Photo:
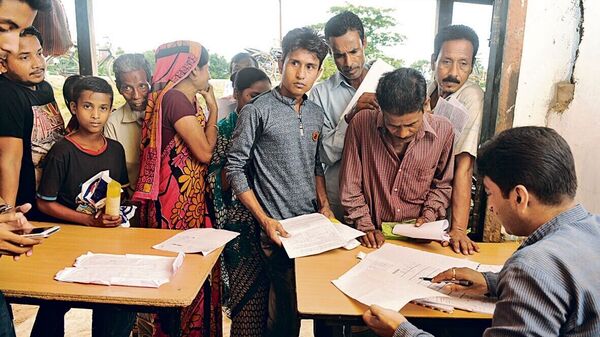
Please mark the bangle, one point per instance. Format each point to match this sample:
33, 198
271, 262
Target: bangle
215, 125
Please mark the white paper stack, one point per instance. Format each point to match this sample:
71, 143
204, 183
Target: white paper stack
391, 277
312, 234
197, 240
125, 270
436, 230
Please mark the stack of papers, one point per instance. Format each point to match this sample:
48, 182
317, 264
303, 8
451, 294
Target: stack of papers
437, 230
312, 234
390, 277
197, 240
125, 270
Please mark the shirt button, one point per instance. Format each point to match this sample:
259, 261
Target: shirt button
398, 210
395, 190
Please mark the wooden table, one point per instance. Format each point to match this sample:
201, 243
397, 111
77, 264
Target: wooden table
31, 279
318, 298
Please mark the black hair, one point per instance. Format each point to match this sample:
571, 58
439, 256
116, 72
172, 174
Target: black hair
304, 38
245, 78
32, 31
342, 23
535, 157
237, 58
401, 91
94, 84
68, 88
456, 32
39, 5
130, 62
204, 57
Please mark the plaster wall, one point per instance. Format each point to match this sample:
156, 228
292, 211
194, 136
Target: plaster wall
553, 52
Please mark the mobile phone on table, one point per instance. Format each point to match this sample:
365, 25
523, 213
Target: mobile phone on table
37, 232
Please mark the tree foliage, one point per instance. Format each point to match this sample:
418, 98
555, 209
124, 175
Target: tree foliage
219, 67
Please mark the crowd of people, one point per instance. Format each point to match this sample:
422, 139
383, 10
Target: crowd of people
284, 150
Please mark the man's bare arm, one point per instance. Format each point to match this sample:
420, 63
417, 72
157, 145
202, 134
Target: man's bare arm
11, 154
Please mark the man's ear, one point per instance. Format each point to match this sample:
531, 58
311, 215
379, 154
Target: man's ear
236, 94
521, 197
73, 107
3, 66
280, 64
427, 105
364, 43
432, 62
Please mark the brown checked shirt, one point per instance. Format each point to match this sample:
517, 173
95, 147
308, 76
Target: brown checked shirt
375, 186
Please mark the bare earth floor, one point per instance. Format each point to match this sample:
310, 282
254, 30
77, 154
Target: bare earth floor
78, 322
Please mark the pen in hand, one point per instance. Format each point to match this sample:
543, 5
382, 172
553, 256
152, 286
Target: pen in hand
465, 283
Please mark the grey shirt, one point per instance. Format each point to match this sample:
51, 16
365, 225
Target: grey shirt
275, 152
550, 285
333, 95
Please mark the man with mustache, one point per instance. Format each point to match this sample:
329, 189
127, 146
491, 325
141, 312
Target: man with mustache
452, 62
347, 42
30, 122
397, 162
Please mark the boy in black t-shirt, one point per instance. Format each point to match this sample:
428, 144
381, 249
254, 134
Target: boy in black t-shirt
71, 161
81, 155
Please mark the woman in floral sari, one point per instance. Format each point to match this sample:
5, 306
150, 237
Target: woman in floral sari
248, 284
177, 145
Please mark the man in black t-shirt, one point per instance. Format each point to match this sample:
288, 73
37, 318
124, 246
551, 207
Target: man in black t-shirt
30, 122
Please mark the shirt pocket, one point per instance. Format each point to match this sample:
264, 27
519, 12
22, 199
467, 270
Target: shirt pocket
417, 184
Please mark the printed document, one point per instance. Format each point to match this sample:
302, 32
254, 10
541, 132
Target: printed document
436, 230
197, 240
124, 270
312, 234
390, 277
456, 113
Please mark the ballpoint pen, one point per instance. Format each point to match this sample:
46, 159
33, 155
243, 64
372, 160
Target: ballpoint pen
465, 283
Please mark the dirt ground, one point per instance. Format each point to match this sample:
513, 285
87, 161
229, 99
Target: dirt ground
78, 322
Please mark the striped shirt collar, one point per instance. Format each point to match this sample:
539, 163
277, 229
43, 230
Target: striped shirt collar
569, 216
420, 134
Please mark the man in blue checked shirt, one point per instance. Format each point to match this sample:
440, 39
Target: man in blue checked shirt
549, 286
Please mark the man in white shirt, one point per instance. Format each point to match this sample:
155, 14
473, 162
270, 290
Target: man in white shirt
132, 76
452, 62
346, 38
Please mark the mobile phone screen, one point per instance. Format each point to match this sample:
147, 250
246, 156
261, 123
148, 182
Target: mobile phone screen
36, 231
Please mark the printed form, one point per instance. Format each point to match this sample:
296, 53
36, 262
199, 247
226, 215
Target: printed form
312, 234
390, 277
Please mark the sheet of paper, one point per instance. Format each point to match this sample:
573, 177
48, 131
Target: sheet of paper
197, 240
311, 234
125, 270
369, 83
378, 282
478, 304
455, 111
436, 230
400, 265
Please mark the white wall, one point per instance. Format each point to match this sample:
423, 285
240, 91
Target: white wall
550, 42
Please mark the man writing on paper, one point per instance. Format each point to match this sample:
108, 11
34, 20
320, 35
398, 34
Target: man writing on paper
547, 287
346, 37
452, 62
397, 163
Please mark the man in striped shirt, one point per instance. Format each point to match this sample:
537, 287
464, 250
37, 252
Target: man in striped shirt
549, 286
397, 163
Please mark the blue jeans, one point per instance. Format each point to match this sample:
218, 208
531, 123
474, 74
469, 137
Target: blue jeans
6, 324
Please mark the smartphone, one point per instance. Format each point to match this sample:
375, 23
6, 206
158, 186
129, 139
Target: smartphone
37, 232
